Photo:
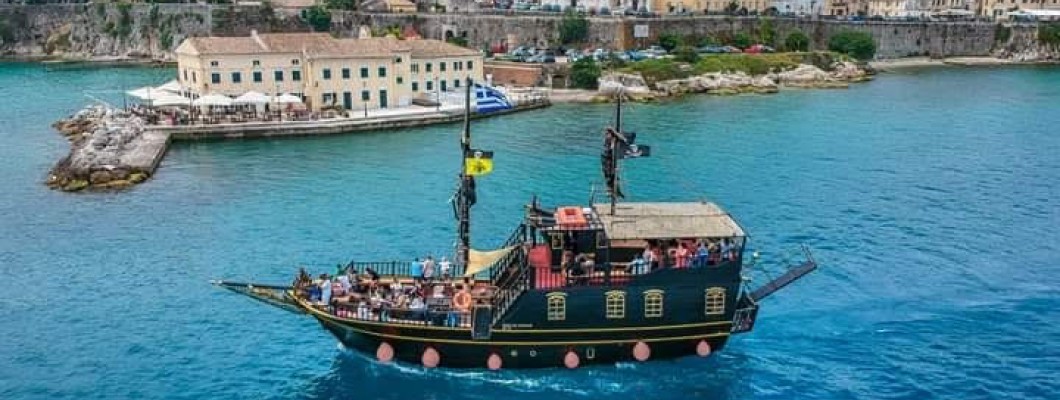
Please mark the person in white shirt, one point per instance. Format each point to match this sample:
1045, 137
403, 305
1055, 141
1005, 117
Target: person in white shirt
446, 267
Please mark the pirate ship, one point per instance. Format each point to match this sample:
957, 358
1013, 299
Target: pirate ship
601, 283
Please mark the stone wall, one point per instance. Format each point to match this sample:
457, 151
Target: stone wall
153, 31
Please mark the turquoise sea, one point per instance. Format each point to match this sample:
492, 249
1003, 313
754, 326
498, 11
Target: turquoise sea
929, 197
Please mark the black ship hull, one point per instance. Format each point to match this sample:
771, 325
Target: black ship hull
526, 348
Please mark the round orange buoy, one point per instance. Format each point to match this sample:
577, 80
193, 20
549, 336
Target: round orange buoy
430, 358
641, 351
703, 348
385, 352
571, 360
494, 362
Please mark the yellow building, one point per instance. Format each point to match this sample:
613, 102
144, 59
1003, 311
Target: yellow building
352, 74
892, 8
998, 8
720, 6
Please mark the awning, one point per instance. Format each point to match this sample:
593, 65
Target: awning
479, 261
252, 97
212, 100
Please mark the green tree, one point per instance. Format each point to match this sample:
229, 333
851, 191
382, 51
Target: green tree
669, 41
853, 43
585, 73
573, 28
767, 34
1049, 33
732, 7
686, 54
318, 17
742, 40
797, 41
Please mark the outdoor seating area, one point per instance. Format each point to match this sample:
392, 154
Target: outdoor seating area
170, 104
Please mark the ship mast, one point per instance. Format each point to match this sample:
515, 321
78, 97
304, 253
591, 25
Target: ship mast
466, 192
618, 145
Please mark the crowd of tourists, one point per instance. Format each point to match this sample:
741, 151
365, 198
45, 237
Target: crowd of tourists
427, 295
685, 254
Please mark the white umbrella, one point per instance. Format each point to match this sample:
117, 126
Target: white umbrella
252, 97
169, 99
287, 98
171, 86
212, 100
145, 92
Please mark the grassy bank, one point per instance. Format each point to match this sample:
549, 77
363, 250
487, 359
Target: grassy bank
751, 64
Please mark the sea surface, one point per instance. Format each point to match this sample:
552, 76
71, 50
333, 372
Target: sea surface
929, 197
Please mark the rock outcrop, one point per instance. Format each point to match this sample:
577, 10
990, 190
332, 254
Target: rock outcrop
109, 149
840, 75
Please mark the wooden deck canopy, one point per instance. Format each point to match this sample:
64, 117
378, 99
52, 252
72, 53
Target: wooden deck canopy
667, 221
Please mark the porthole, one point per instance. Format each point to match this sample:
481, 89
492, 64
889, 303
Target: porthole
590, 353
533, 353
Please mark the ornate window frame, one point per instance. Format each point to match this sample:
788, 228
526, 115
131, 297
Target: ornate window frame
615, 304
653, 303
556, 306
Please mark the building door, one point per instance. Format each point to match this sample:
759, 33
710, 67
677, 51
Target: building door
347, 100
382, 98
443, 86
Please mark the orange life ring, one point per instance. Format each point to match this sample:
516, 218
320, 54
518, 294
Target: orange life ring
462, 301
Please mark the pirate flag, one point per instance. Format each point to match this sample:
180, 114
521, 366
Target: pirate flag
478, 162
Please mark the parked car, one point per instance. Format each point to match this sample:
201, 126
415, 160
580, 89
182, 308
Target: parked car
712, 50
759, 48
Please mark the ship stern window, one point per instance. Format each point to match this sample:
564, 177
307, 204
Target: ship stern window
653, 303
714, 301
615, 304
557, 306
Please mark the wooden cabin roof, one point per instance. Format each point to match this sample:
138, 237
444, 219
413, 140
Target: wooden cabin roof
667, 221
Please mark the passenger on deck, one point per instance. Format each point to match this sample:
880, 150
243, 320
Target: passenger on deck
684, 256
701, 255
428, 269
446, 268
325, 289
416, 270
638, 266
588, 265
418, 308
726, 249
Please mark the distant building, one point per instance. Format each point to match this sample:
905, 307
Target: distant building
842, 8
1000, 8
392, 6
894, 8
327, 72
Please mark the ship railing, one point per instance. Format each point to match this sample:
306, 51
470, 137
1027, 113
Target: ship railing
512, 286
430, 316
398, 268
615, 274
501, 268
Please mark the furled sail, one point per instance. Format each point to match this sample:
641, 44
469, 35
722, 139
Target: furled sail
479, 261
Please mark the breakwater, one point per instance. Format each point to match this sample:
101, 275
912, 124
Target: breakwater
153, 31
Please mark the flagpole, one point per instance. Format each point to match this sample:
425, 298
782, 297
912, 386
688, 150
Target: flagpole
614, 153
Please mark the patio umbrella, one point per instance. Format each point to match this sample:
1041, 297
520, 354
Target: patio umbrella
287, 98
252, 97
171, 86
144, 93
212, 100
169, 100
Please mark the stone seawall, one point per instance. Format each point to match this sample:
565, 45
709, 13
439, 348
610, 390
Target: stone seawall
153, 31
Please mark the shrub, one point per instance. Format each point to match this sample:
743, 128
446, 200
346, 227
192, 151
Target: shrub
657, 70
753, 64
669, 41
853, 43
124, 27
797, 41
341, 4
585, 73
1002, 33
741, 40
686, 54
573, 28
459, 41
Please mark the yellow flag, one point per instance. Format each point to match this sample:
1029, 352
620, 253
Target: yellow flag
479, 163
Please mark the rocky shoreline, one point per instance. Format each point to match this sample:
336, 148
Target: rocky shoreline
109, 149
635, 87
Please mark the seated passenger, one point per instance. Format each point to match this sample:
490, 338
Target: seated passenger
418, 308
